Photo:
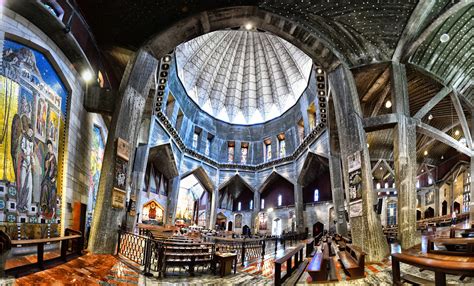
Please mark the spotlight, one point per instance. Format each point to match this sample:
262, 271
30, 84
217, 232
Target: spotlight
320, 71
248, 26
167, 59
388, 104
86, 75
430, 116
425, 153
442, 157
456, 132
270, 210
368, 145
444, 38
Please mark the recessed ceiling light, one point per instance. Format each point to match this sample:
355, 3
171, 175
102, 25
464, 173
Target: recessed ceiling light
320, 71
388, 104
444, 38
442, 157
456, 132
248, 26
430, 117
425, 153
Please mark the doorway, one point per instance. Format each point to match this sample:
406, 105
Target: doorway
418, 214
444, 208
229, 226
79, 217
276, 227
457, 207
429, 212
318, 228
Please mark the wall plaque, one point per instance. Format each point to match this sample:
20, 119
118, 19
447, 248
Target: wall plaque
120, 179
123, 149
118, 198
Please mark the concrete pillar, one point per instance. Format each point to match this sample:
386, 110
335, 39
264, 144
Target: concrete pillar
173, 194
214, 205
366, 227
129, 107
335, 171
471, 203
298, 192
404, 149
255, 211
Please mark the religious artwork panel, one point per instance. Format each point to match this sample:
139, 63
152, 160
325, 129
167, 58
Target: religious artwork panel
429, 198
262, 222
238, 221
32, 110
96, 156
152, 213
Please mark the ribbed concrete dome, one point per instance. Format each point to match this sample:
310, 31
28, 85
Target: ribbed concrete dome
243, 77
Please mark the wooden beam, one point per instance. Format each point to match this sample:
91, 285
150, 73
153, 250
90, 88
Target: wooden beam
376, 165
462, 118
433, 27
418, 18
436, 134
381, 80
380, 122
431, 141
388, 167
432, 102
380, 101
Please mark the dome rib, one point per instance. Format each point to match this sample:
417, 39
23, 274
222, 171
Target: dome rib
242, 77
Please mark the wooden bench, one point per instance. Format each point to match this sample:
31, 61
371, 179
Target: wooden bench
454, 246
464, 232
309, 246
440, 268
353, 260
318, 267
70, 236
187, 254
297, 254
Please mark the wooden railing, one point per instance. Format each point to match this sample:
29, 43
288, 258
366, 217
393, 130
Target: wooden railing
72, 242
440, 267
295, 254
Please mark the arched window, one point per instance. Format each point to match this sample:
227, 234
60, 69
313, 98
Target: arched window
239, 206
251, 205
279, 200
316, 195
262, 205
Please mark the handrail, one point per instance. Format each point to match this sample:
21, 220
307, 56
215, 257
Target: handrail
440, 267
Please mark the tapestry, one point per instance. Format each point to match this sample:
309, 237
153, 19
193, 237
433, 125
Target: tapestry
32, 112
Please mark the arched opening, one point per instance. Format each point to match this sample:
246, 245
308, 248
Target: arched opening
246, 230
318, 228
221, 221
444, 208
193, 202
418, 214
392, 213
429, 212
457, 207
276, 227
229, 226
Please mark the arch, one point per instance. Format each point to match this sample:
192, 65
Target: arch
429, 212
314, 165
318, 228
418, 214
202, 176
236, 179
246, 230
229, 226
312, 42
272, 177
444, 208
221, 221
457, 207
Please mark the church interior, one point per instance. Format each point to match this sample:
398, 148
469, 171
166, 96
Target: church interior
246, 142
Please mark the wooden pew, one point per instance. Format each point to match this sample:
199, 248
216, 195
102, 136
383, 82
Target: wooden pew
318, 267
309, 246
191, 254
353, 260
454, 246
440, 268
297, 254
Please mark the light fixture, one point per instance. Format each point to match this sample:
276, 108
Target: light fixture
444, 38
167, 59
368, 145
381, 168
248, 26
86, 75
456, 132
442, 157
430, 117
320, 71
425, 153
270, 210
388, 104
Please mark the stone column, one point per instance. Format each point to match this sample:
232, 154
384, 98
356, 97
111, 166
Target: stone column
335, 171
471, 203
366, 228
256, 210
214, 205
298, 192
404, 150
129, 107
173, 193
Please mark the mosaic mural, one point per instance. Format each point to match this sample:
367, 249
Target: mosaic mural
32, 112
97, 154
